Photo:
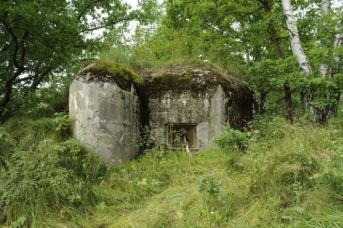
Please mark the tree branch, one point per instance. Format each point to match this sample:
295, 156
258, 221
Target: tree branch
18, 45
110, 24
39, 77
23, 79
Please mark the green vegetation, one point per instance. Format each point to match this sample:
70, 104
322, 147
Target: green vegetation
287, 175
44, 171
252, 39
195, 77
284, 170
41, 40
121, 74
276, 174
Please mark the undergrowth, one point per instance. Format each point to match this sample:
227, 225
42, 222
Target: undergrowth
44, 171
274, 175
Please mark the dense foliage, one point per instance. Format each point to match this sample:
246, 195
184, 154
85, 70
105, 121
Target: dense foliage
43, 170
251, 38
43, 39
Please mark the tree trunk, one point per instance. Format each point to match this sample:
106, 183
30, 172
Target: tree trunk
278, 55
323, 113
289, 102
326, 6
262, 101
8, 88
338, 43
295, 38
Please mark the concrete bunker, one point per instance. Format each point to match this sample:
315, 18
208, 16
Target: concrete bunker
180, 105
104, 105
188, 105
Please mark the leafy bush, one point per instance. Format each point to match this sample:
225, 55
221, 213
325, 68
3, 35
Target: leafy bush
52, 177
232, 138
269, 128
46, 171
61, 123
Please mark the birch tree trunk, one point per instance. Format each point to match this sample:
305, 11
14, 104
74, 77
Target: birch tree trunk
328, 71
338, 43
326, 8
278, 55
295, 38
322, 114
338, 38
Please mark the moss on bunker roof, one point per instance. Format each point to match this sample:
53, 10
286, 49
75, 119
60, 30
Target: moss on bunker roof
105, 70
196, 77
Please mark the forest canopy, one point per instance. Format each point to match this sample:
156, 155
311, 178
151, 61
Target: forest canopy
292, 56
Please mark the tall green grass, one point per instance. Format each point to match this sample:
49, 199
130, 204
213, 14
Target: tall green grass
274, 175
284, 175
44, 171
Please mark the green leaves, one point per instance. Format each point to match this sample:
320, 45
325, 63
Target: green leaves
324, 91
209, 185
43, 170
231, 137
40, 39
61, 123
269, 74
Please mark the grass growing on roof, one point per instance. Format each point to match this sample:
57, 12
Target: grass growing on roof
194, 76
199, 63
120, 73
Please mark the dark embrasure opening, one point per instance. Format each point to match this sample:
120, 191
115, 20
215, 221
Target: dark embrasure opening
181, 135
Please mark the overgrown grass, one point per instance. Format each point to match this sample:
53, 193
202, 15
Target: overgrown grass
44, 171
285, 175
126, 57
275, 175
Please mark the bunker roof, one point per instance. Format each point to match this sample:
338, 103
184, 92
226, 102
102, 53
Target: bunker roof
110, 71
195, 77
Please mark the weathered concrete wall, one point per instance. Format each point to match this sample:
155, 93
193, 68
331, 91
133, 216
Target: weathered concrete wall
206, 109
193, 101
106, 119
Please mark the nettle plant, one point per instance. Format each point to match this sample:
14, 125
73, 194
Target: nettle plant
209, 188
